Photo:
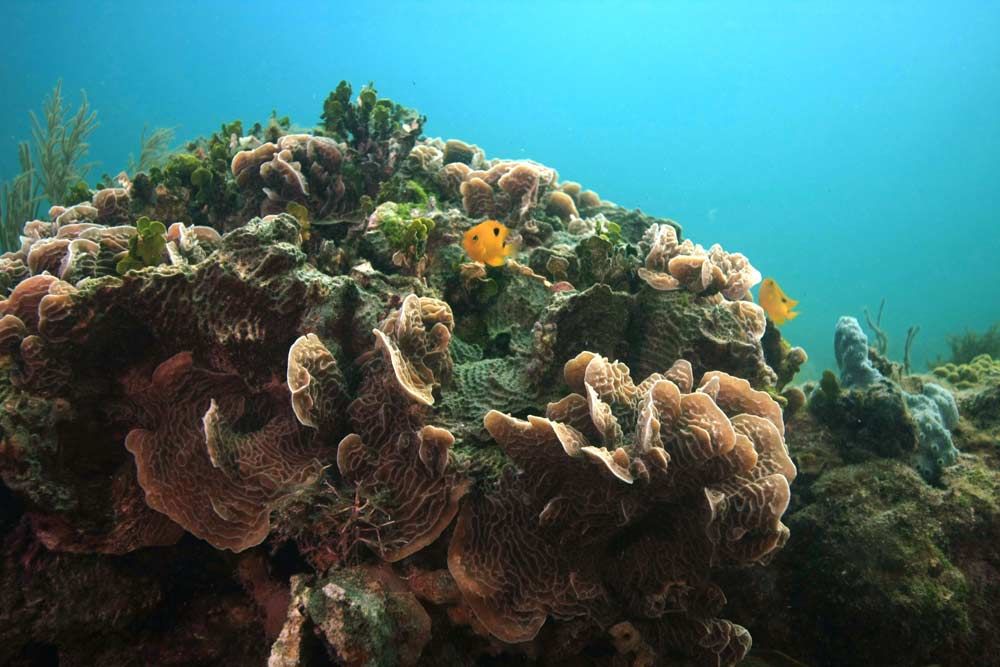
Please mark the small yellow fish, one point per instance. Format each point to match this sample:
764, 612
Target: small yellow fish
776, 303
487, 243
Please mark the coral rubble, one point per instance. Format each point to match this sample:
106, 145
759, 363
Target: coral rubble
274, 343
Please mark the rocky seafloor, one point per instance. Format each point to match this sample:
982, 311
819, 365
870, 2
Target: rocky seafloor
260, 406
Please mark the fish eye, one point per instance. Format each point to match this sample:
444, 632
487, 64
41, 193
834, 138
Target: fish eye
784, 300
496, 231
476, 237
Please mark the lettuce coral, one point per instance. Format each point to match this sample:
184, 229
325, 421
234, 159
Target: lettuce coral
671, 264
358, 404
590, 513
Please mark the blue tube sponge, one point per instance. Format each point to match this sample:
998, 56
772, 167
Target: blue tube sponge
946, 404
850, 344
934, 412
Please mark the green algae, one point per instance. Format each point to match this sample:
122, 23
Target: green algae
980, 369
883, 511
965, 348
146, 247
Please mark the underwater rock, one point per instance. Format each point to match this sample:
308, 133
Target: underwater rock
928, 563
89, 609
362, 616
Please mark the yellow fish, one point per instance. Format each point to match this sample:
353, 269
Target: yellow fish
487, 243
776, 303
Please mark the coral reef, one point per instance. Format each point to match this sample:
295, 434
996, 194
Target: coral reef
296, 419
271, 353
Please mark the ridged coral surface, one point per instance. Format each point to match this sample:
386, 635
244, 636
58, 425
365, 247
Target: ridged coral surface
414, 458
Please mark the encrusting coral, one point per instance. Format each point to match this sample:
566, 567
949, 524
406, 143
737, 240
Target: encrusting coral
339, 391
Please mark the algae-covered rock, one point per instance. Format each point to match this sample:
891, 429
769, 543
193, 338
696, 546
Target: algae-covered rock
882, 568
362, 618
875, 539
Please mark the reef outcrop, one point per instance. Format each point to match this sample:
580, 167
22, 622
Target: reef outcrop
884, 567
274, 357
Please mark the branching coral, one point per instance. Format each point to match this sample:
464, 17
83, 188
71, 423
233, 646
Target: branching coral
18, 201
153, 149
966, 347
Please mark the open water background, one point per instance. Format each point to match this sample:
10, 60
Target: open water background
850, 149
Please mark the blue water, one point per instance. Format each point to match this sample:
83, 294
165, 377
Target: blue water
851, 150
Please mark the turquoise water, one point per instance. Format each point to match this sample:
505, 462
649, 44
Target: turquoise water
851, 150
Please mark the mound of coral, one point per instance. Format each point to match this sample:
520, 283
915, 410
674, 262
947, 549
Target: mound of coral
268, 370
